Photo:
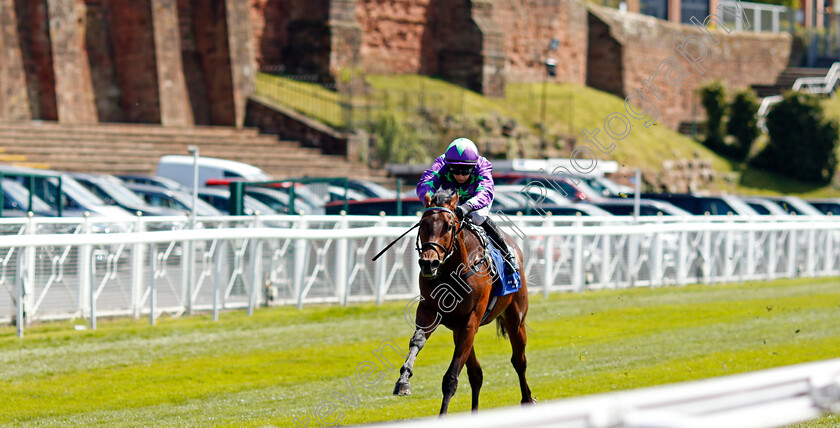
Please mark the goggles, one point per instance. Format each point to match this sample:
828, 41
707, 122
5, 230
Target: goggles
461, 169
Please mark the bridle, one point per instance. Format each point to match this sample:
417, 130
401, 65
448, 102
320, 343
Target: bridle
447, 252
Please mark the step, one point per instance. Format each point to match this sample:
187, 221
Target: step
192, 140
128, 128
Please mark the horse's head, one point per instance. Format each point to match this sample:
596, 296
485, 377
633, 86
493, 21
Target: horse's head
438, 230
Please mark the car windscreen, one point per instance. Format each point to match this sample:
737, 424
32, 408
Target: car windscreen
21, 195
119, 193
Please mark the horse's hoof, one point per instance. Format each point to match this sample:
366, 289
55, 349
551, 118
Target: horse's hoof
402, 389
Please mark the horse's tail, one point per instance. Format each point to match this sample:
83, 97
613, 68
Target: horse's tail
500, 328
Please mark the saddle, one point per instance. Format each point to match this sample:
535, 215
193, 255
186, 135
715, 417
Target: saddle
505, 281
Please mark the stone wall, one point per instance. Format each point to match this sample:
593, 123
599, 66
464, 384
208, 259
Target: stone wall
633, 47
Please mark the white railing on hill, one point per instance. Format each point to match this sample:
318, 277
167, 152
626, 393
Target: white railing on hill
763, 399
760, 17
70, 268
813, 85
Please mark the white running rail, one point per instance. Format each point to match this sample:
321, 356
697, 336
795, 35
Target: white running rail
60, 269
763, 399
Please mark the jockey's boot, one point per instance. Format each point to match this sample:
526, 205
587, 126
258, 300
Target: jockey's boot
495, 234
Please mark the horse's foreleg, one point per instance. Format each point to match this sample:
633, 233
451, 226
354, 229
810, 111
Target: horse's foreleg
476, 377
463, 345
418, 340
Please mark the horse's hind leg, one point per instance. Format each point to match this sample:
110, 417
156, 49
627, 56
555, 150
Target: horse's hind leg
476, 377
515, 327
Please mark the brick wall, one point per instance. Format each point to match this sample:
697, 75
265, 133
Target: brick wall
134, 56
528, 27
34, 34
637, 46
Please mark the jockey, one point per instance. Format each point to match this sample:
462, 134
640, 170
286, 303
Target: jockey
462, 169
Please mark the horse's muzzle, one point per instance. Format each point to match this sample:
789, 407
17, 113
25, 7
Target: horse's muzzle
429, 268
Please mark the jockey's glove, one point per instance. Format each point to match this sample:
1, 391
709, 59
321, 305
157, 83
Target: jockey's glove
462, 210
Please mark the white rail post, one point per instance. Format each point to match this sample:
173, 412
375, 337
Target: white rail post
415, 269
729, 253
137, 257
380, 270
300, 262
341, 278
707, 257
771, 255
750, 265
256, 269
152, 289
93, 293
548, 268
606, 259
217, 277
29, 279
19, 292
682, 258
84, 270
811, 259
791, 262
828, 260
577, 265
657, 274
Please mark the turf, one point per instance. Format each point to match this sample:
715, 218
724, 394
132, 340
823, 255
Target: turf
281, 364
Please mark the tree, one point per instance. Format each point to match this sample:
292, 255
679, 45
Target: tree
802, 142
743, 124
713, 98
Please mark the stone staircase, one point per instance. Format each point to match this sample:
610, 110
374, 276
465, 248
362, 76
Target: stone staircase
786, 80
130, 148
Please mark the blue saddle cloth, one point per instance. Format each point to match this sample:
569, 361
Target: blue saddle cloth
511, 281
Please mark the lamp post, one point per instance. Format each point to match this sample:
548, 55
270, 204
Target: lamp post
550, 71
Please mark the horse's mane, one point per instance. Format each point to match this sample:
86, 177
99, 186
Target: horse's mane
442, 197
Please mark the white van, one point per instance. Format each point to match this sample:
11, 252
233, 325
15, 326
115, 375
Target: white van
180, 169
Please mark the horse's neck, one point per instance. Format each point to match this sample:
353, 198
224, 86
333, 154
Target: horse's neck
465, 240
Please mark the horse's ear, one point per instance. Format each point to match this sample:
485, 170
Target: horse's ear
453, 201
428, 199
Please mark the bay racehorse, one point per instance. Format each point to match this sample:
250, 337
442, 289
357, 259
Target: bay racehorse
451, 253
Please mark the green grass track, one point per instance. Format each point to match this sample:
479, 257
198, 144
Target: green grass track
281, 363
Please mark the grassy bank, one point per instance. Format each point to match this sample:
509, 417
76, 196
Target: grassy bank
282, 363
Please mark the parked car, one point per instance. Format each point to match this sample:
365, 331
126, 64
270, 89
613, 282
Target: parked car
173, 199
113, 191
367, 188
700, 205
763, 206
575, 191
75, 198
794, 205
373, 206
153, 180
606, 187
532, 195
220, 199
181, 169
626, 206
16, 201
278, 200
314, 201
560, 210
826, 206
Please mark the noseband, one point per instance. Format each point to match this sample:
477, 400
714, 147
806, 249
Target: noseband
447, 252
